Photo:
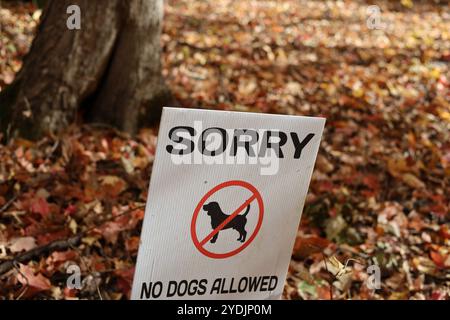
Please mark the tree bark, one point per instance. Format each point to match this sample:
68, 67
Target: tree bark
109, 71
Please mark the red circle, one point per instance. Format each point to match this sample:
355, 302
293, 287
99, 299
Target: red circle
223, 185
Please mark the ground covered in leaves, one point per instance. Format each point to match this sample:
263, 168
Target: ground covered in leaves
380, 193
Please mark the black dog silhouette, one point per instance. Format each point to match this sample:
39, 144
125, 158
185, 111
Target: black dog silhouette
217, 217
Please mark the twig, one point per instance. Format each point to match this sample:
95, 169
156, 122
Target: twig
7, 204
16, 266
354, 260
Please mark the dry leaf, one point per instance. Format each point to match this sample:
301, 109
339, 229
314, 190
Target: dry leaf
37, 281
412, 181
342, 273
22, 244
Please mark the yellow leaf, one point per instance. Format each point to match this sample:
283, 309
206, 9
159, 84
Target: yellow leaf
89, 240
435, 73
407, 3
73, 226
358, 93
444, 115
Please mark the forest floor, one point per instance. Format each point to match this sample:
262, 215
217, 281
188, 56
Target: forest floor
380, 193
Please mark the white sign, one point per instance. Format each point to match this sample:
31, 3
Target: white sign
224, 204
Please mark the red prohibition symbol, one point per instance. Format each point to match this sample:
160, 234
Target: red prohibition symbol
200, 244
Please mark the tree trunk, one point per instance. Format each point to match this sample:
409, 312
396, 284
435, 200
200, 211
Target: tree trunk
109, 71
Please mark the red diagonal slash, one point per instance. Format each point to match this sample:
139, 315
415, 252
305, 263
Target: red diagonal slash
227, 220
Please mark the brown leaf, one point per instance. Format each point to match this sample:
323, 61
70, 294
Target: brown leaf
412, 181
114, 185
132, 244
63, 256
306, 246
323, 164
396, 166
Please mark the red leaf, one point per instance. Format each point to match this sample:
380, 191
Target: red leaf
371, 181
326, 186
444, 232
40, 206
70, 293
438, 295
438, 259
52, 236
125, 280
70, 210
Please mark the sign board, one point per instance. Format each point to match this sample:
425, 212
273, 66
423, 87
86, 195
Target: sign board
224, 204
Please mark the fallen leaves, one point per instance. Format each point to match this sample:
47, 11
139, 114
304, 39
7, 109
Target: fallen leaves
62, 256
379, 192
32, 281
439, 260
100, 199
17, 27
113, 185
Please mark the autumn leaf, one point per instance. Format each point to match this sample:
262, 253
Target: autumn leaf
125, 280
323, 164
438, 259
132, 244
407, 3
305, 246
63, 256
39, 205
22, 244
380, 181
36, 281
412, 181
113, 184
